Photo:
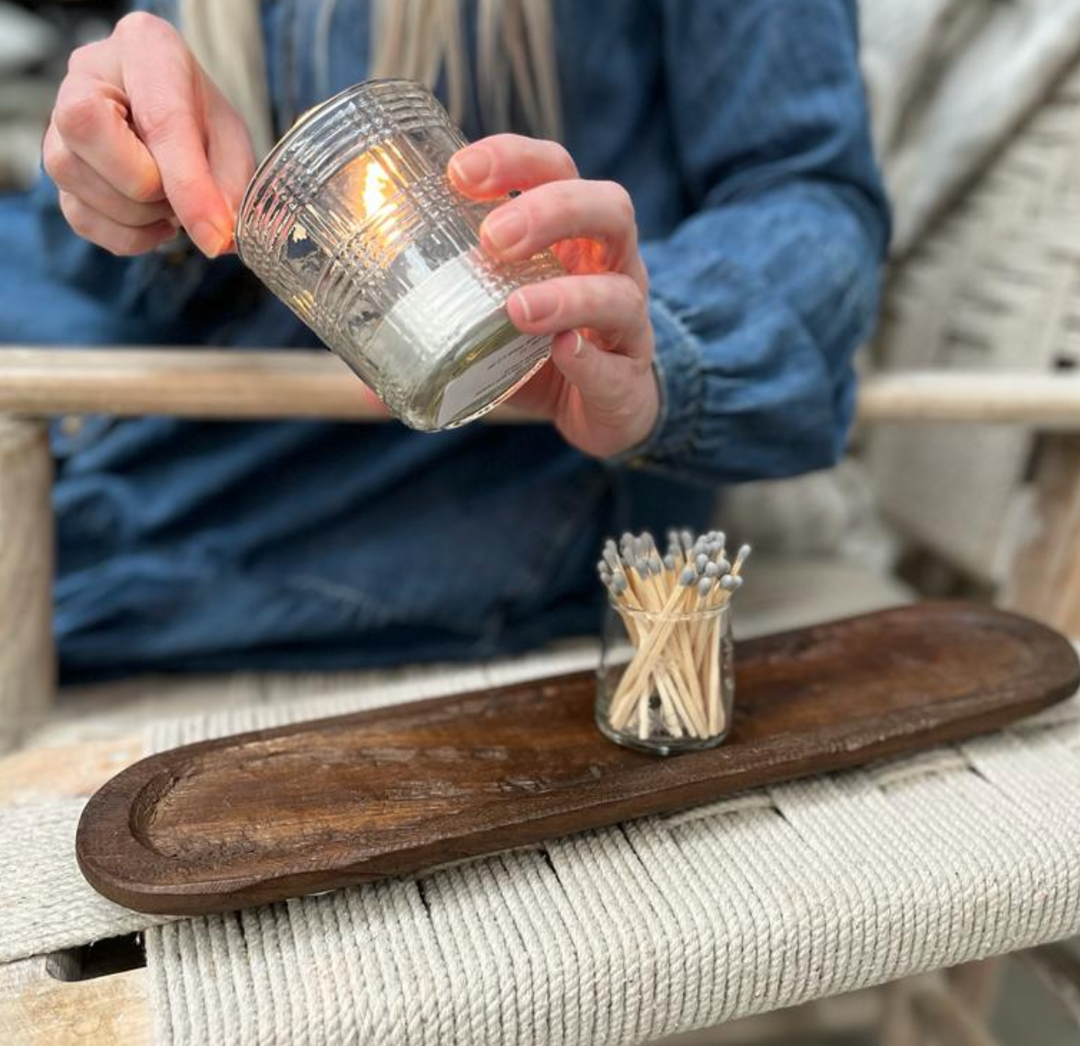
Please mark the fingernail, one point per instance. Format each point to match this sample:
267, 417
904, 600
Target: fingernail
538, 303
209, 239
504, 229
471, 165
579, 346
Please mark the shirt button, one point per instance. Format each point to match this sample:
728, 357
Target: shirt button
72, 425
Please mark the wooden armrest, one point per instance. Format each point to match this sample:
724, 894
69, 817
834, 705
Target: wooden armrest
1047, 401
229, 383
206, 383
226, 384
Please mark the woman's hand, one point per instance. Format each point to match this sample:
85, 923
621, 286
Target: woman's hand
142, 142
599, 387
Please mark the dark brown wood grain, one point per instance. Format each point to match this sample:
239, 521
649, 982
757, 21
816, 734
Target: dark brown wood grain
276, 813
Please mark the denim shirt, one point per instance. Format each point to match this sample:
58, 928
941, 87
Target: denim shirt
739, 128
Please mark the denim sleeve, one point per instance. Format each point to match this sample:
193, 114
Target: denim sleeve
761, 296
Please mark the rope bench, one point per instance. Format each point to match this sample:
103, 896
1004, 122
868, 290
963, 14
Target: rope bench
766, 900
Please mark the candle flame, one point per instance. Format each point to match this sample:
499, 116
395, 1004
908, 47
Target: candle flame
378, 188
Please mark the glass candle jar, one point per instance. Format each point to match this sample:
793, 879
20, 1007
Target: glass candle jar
666, 682
352, 222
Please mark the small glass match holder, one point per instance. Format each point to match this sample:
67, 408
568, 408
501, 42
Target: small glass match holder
666, 682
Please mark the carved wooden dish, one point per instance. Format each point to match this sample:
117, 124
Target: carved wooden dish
262, 816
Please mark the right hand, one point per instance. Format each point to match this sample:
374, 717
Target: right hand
141, 142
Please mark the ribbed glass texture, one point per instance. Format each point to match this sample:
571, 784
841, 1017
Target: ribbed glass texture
353, 223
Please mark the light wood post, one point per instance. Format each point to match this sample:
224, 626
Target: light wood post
37, 1009
898, 1026
27, 652
1044, 579
977, 984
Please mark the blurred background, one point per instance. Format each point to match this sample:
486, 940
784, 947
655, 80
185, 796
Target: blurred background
976, 107
35, 40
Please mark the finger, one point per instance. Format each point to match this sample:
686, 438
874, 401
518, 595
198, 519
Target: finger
91, 118
605, 380
119, 239
600, 211
231, 156
160, 76
611, 303
503, 163
77, 177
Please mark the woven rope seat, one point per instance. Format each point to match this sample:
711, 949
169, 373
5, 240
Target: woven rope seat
771, 898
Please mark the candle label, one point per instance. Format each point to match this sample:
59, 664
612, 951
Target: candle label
488, 378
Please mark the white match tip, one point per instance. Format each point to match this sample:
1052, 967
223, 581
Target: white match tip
704, 587
688, 576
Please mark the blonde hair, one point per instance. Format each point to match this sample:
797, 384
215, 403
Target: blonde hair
417, 39
515, 56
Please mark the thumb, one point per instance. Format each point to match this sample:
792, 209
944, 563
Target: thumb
603, 379
165, 89
232, 161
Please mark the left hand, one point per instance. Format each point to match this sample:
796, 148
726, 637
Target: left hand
599, 387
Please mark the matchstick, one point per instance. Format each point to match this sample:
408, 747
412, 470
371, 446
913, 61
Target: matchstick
621, 577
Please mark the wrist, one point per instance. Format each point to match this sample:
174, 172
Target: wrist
645, 415
677, 376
